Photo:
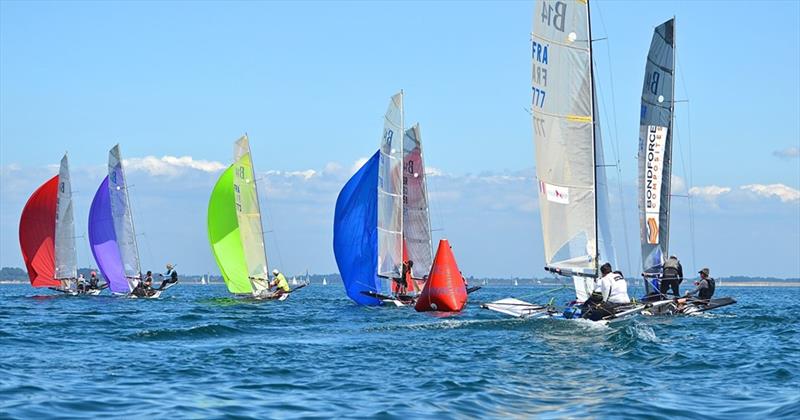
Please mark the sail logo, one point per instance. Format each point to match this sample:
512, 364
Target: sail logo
652, 80
652, 231
554, 15
654, 139
387, 136
554, 193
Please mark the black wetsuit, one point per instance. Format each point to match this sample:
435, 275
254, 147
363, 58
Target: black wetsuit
671, 277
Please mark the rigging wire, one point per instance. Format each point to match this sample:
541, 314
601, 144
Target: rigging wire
687, 166
615, 141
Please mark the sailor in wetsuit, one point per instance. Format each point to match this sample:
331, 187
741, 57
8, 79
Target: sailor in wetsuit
171, 276
671, 276
280, 283
705, 287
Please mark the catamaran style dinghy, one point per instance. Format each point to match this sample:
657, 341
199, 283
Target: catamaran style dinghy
573, 196
655, 172
235, 230
47, 236
382, 218
112, 235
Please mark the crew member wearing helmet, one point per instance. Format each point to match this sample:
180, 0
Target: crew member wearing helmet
171, 276
279, 281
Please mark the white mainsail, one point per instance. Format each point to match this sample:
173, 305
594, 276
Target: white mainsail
123, 218
569, 155
655, 148
390, 194
66, 259
248, 213
416, 216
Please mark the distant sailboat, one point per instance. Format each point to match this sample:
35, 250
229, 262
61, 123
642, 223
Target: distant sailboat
294, 281
371, 239
47, 235
235, 231
324, 281
516, 282
573, 197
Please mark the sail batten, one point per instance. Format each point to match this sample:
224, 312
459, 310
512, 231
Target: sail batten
655, 149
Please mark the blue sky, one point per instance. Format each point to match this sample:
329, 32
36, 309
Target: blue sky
309, 82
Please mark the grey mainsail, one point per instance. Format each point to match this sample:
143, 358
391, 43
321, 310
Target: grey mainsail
416, 215
655, 149
122, 215
569, 155
66, 259
248, 215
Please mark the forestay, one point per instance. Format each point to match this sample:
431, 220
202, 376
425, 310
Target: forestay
66, 259
416, 217
248, 212
390, 194
123, 218
655, 148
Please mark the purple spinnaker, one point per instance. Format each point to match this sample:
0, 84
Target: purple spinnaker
103, 240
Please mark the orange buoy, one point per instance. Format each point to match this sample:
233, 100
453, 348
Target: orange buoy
445, 290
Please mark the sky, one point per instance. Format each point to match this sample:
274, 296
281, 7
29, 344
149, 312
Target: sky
176, 83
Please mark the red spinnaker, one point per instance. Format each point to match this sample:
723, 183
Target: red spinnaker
37, 232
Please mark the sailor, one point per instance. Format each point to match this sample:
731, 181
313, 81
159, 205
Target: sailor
93, 280
148, 280
171, 276
139, 290
80, 283
279, 282
705, 287
405, 275
671, 276
610, 291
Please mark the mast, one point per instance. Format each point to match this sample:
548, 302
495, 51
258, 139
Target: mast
671, 136
402, 192
594, 143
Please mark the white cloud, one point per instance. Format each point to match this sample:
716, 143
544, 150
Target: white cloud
783, 192
171, 165
678, 184
709, 192
787, 153
431, 171
358, 164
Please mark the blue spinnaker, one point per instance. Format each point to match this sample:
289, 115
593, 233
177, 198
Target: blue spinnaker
355, 233
103, 240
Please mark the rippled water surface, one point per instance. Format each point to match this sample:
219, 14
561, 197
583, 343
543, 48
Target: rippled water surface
199, 353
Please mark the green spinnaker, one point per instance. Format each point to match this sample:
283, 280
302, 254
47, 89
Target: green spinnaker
223, 234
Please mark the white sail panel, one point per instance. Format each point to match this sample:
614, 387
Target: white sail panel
563, 134
66, 259
248, 211
390, 192
123, 217
655, 147
416, 216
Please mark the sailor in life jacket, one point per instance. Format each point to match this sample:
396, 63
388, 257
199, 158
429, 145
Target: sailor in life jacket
612, 286
705, 287
171, 276
279, 281
671, 276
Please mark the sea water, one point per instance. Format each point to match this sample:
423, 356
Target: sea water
198, 352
